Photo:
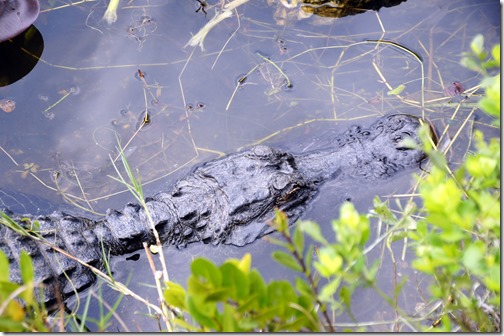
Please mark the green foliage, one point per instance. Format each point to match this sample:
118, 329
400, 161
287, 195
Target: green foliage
478, 60
234, 298
19, 309
342, 264
458, 242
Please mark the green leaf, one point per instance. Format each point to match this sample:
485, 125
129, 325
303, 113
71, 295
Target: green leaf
329, 262
4, 267
287, 260
8, 325
11, 224
397, 235
349, 216
473, 258
217, 295
27, 275
303, 287
203, 313
278, 242
452, 235
196, 287
6, 288
244, 263
438, 159
204, 269
228, 319
346, 296
294, 325
480, 166
308, 259
281, 222
248, 324
280, 296
313, 230
477, 45
496, 53
299, 240
397, 90
175, 295
328, 291
235, 281
182, 323
258, 287
248, 305
370, 273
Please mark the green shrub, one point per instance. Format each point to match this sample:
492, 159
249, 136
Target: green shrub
456, 241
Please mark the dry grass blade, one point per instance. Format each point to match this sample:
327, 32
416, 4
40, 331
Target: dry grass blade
199, 37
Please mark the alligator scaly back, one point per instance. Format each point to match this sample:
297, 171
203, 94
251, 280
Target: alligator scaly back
225, 201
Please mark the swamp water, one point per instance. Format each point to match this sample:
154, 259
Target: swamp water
95, 83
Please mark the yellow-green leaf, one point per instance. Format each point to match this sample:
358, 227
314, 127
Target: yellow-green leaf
400, 88
27, 275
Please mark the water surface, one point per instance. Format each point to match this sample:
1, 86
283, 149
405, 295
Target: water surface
95, 82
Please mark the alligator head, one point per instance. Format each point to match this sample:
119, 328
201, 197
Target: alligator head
378, 151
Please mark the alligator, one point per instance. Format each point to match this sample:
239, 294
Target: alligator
230, 200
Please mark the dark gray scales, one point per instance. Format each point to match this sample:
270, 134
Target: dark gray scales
226, 201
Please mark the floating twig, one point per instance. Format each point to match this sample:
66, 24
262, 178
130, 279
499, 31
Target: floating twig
200, 36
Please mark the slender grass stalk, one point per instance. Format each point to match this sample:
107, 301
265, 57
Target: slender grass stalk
135, 187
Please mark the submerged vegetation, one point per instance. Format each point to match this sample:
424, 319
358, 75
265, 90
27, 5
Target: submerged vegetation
453, 228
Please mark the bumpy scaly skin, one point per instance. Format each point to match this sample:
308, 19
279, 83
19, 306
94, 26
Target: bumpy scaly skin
228, 200
342, 8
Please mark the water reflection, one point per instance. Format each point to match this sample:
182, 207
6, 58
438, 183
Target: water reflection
19, 55
203, 104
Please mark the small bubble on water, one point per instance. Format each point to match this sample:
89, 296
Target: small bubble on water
145, 19
75, 90
49, 115
189, 107
288, 86
200, 106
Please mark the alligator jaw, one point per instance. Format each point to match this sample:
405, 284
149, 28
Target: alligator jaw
375, 152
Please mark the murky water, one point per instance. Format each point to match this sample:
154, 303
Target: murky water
263, 77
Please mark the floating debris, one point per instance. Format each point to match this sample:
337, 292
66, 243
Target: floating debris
198, 107
7, 105
110, 14
454, 89
144, 120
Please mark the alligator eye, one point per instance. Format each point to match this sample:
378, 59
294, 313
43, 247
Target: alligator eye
406, 143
